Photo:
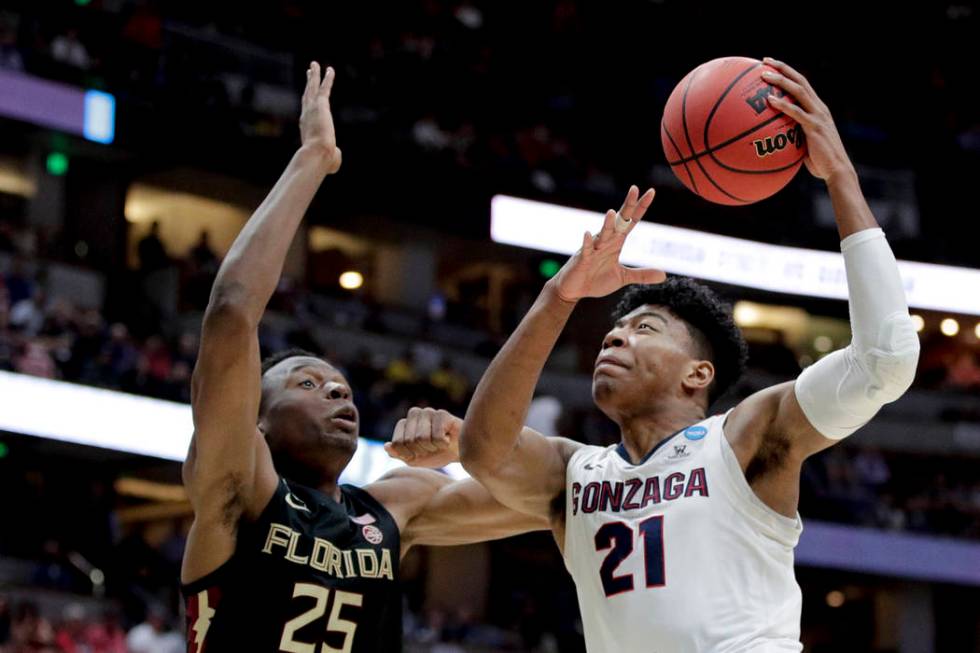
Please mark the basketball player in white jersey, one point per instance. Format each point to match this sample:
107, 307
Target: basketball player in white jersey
680, 538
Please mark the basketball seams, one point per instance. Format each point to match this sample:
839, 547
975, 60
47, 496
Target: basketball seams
694, 184
710, 151
690, 145
730, 141
721, 98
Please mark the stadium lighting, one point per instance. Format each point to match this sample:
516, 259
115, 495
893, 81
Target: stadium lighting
351, 280
735, 261
549, 268
134, 424
823, 344
919, 322
949, 327
835, 599
747, 314
57, 164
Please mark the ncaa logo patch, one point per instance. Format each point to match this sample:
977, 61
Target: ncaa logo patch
372, 534
695, 432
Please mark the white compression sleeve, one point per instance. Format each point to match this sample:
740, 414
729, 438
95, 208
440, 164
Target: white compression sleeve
841, 392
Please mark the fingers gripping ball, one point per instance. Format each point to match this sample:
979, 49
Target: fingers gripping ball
723, 140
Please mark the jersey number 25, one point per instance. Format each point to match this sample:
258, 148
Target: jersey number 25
334, 625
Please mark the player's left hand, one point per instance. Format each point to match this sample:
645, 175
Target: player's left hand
826, 155
316, 126
426, 437
595, 270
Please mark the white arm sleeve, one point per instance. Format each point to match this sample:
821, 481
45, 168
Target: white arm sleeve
841, 392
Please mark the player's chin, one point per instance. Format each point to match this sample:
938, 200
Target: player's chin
345, 440
603, 388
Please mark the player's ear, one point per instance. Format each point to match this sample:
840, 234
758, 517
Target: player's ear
699, 375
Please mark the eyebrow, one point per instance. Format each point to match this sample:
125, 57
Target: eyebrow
620, 322
302, 366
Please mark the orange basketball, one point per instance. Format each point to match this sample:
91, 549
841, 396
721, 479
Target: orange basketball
721, 137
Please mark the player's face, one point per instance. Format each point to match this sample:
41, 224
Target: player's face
309, 409
643, 359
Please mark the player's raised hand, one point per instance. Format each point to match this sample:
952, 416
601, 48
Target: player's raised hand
315, 121
595, 270
825, 150
426, 437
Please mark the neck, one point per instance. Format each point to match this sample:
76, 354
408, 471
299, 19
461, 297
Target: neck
331, 488
323, 478
641, 433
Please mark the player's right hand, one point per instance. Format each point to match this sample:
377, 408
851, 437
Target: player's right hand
595, 270
426, 437
315, 121
825, 155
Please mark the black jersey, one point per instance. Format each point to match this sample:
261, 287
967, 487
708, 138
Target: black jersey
311, 575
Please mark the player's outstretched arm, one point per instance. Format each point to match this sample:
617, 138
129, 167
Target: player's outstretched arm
521, 468
843, 391
430, 507
229, 471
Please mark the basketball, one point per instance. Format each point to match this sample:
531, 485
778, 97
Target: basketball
723, 140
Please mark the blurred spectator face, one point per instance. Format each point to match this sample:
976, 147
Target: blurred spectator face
74, 619
118, 332
187, 346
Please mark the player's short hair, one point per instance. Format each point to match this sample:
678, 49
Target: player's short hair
709, 321
272, 360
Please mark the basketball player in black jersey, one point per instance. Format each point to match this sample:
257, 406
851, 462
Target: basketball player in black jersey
280, 556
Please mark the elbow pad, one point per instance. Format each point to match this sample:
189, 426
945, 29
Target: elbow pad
841, 392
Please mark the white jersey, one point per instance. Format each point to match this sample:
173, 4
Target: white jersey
677, 553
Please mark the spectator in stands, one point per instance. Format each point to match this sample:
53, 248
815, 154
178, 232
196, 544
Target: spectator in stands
19, 282
543, 415
27, 315
450, 382
872, 470
10, 56
30, 632
152, 254
401, 370
36, 360
154, 635
4, 622
70, 636
69, 50
155, 366
6, 227
106, 635
7, 346
118, 357
202, 255
963, 372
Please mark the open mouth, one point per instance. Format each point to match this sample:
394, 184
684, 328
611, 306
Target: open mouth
345, 419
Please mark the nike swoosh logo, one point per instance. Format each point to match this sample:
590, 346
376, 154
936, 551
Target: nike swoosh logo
296, 503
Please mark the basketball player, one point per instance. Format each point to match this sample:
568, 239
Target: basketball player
680, 538
280, 557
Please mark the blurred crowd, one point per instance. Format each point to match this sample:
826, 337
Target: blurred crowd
25, 628
424, 87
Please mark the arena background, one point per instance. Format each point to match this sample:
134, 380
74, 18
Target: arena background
137, 136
